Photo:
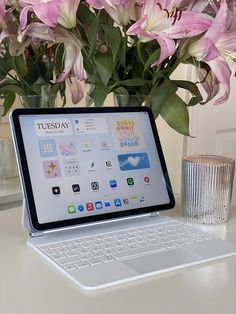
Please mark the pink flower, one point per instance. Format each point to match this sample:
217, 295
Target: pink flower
162, 21
216, 46
95, 4
2, 13
73, 59
47, 11
67, 15
76, 88
119, 10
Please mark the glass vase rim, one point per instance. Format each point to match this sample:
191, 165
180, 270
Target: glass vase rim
209, 159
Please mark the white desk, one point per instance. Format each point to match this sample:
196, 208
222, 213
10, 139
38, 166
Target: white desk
29, 285
10, 193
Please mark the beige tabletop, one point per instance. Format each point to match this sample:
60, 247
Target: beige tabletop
29, 285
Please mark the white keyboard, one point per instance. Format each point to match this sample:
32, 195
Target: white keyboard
103, 248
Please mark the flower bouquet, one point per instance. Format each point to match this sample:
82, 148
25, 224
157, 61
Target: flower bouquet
126, 47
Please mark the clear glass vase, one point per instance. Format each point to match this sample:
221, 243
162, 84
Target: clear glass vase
38, 101
126, 100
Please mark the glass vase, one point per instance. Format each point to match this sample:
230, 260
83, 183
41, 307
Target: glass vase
38, 101
127, 100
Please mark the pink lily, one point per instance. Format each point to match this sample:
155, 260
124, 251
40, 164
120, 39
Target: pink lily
67, 15
162, 21
47, 11
73, 59
216, 46
2, 12
76, 88
119, 10
96, 4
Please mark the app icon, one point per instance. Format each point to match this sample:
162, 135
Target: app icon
89, 206
81, 208
146, 179
71, 167
108, 164
141, 199
95, 186
113, 183
75, 188
47, 148
67, 148
126, 201
51, 169
104, 145
86, 146
98, 205
117, 202
71, 209
107, 204
130, 181
91, 165
56, 190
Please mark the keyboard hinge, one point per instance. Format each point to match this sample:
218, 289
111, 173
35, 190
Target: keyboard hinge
154, 214
36, 234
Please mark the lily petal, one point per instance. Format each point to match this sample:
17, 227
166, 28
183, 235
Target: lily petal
67, 16
48, 12
76, 88
222, 72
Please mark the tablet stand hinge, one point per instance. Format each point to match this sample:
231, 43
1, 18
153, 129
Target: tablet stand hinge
36, 234
154, 214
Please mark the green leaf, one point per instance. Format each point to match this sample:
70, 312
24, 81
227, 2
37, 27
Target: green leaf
5, 67
100, 93
85, 14
132, 82
92, 35
10, 85
20, 66
162, 92
114, 39
175, 113
9, 99
105, 66
193, 89
122, 52
153, 57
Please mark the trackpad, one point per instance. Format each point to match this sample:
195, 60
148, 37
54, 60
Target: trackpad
162, 260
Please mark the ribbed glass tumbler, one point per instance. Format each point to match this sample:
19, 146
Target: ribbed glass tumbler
207, 182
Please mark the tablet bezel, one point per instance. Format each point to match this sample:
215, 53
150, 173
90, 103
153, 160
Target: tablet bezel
25, 175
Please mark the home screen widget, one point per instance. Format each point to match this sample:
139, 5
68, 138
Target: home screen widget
117, 202
95, 186
108, 164
130, 181
67, 148
89, 206
56, 190
98, 205
133, 161
113, 184
47, 148
91, 165
146, 180
71, 167
76, 188
51, 168
71, 209
80, 208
